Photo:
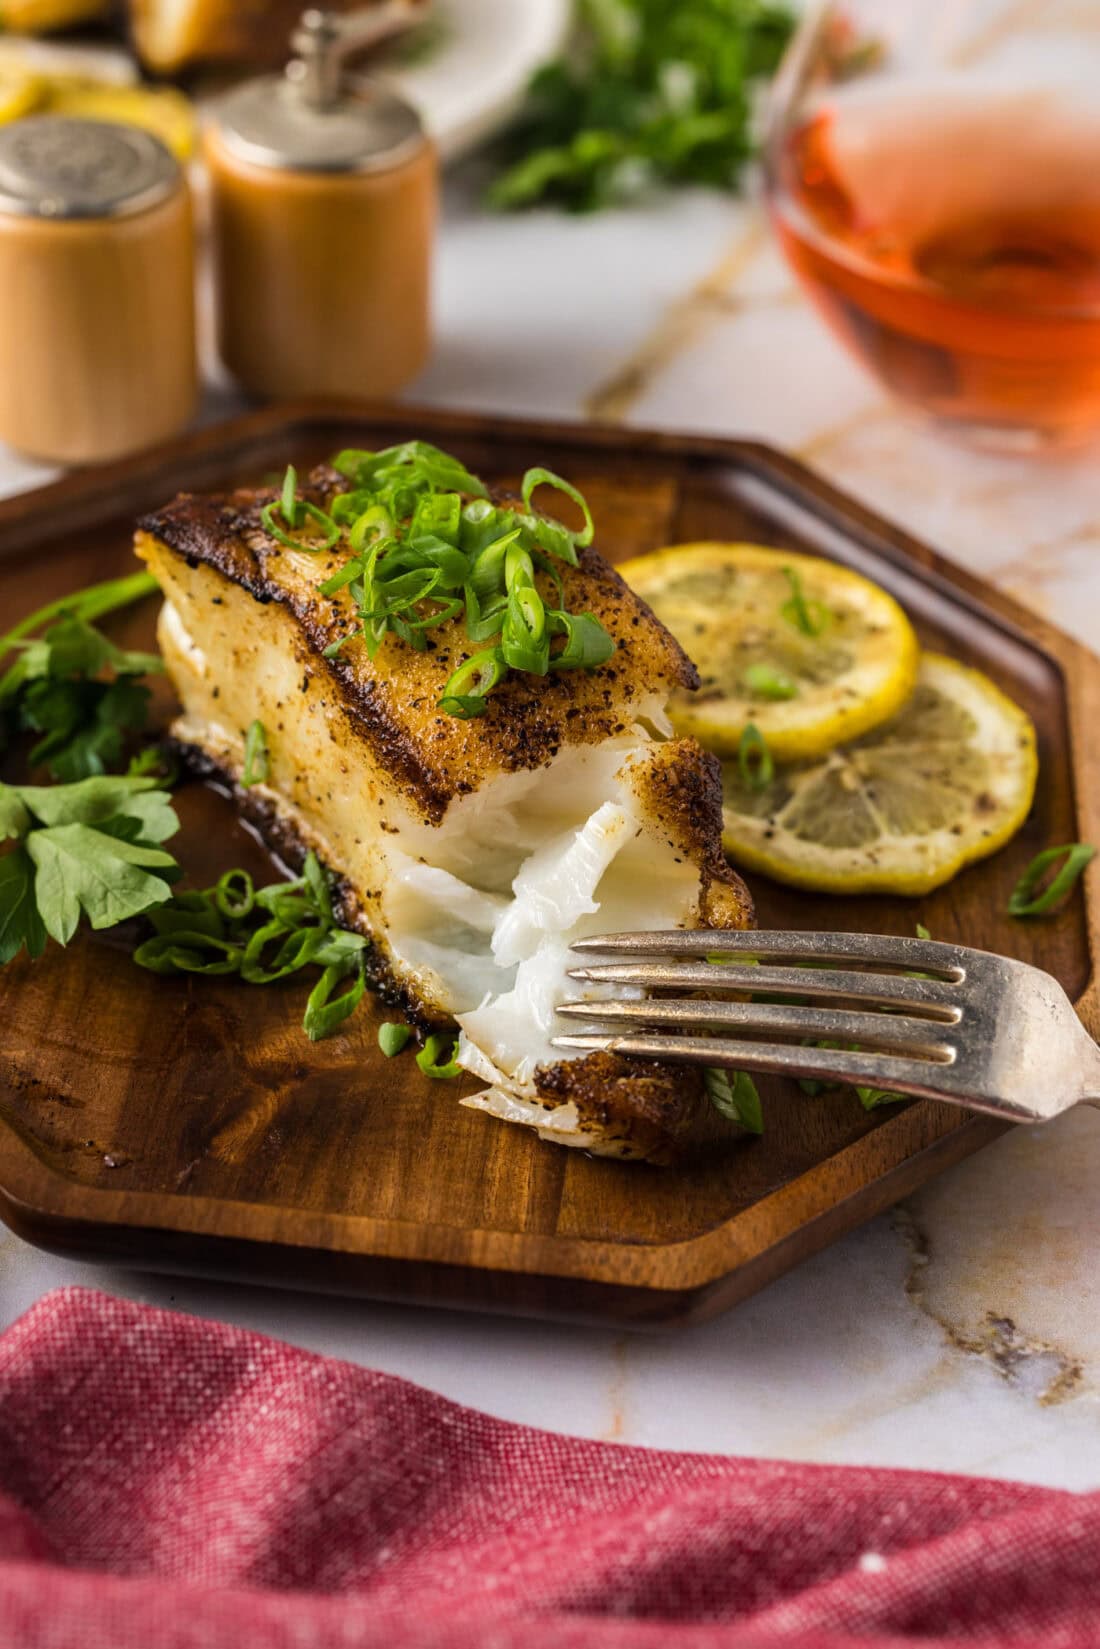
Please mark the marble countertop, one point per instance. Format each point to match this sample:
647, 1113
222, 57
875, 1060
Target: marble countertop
962, 1331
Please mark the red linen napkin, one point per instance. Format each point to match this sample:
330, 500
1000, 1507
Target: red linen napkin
168, 1483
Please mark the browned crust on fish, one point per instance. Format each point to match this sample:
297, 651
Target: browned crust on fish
392, 701
644, 1109
654, 1112
682, 786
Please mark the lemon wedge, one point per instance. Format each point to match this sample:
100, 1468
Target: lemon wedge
161, 110
809, 652
20, 92
902, 809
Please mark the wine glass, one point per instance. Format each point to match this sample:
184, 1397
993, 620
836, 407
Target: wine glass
933, 174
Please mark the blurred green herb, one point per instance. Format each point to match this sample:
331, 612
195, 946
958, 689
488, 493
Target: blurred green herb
754, 760
765, 682
806, 614
654, 93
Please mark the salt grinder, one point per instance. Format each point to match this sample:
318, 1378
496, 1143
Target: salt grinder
323, 196
97, 342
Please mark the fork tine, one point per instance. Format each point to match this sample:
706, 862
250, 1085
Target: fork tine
928, 955
924, 1036
934, 996
912, 1076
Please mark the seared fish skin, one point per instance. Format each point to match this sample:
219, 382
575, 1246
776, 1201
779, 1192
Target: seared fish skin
471, 851
432, 756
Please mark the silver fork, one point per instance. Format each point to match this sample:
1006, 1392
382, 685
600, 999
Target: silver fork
961, 1025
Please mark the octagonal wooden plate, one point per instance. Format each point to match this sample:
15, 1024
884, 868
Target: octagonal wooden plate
188, 1125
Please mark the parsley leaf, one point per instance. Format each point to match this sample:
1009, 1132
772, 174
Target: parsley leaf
20, 923
90, 848
80, 868
79, 691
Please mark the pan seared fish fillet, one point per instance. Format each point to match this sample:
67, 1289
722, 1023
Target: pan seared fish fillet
472, 852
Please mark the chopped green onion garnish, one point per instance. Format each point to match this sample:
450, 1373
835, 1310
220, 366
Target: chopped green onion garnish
429, 1061
465, 693
293, 509
324, 1011
392, 1038
869, 1098
765, 682
587, 643
1025, 901
428, 543
754, 759
234, 895
257, 762
263, 935
811, 616
734, 1094
546, 478
289, 496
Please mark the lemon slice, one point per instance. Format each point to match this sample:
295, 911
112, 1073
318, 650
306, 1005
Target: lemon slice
160, 110
808, 651
20, 92
901, 810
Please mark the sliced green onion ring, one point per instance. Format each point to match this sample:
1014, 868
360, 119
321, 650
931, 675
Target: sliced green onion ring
754, 759
1025, 901
257, 761
429, 1061
765, 682
539, 477
470, 683
809, 616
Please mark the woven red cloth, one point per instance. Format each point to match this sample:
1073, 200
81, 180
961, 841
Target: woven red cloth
168, 1483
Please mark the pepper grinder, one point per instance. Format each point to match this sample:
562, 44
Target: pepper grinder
97, 346
323, 205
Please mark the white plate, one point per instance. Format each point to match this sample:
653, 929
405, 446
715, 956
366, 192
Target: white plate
475, 78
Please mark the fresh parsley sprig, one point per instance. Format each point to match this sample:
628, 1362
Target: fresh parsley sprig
428, 544
91, 849
72, 686
263, 935
651, 93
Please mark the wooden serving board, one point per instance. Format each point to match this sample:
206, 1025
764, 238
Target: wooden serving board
189, 1126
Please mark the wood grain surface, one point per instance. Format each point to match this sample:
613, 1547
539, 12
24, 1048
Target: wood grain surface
188, 1125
